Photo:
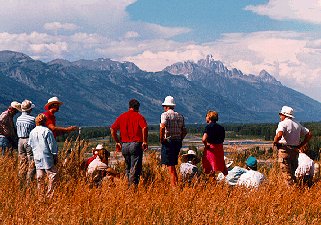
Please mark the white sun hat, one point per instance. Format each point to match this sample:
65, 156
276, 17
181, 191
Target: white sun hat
287, 111
16, 105
27, 105
53, 100
169, 101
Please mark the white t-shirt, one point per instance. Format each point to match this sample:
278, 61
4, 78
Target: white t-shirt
251, 179
292, 131
305, 166
96, 164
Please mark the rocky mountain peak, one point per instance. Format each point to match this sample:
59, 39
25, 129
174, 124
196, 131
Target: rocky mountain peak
13, 57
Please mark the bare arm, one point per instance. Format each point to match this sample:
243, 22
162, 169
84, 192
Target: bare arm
277, 137
61, 130
162, 133
145, 138
307, 138
116, 139
204, 139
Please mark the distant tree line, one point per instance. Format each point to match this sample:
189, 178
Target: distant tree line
265, 131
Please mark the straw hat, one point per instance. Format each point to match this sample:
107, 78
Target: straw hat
287, 111
53, 100
27, 105
16, 105
169, 101
190, 153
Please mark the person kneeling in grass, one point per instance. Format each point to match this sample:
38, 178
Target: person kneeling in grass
98, 169
252, 178
45, 152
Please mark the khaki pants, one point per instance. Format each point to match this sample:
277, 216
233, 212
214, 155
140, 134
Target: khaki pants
288, 161
27, 169
52, 180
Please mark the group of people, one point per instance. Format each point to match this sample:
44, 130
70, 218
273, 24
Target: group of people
37, 147
35, 138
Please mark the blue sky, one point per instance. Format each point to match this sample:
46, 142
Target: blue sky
281, 36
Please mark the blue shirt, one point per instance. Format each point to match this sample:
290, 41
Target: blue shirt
233, 175
25, 123
44, 147
215, 133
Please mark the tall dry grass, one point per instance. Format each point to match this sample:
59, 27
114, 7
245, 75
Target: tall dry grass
154, 202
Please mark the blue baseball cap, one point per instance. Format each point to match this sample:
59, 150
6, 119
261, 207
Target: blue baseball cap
251, 161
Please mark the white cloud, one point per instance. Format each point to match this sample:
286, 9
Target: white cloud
131, 34
308, 10
60, 26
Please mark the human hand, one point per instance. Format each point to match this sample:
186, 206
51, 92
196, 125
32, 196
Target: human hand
145, 146
72, 128
118, 147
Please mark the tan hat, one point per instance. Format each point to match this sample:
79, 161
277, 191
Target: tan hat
16, 105
27, 105
190, 153
287, 111
53, 100
169, 101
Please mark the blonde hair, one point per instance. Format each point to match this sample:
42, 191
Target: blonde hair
41, 120
212, 115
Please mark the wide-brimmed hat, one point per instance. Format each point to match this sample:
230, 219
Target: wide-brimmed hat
53, 100
98, 148
287, 111
16, 105
27, 105
190, 153
169, 101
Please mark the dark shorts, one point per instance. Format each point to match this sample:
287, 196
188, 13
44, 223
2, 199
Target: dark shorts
170, 151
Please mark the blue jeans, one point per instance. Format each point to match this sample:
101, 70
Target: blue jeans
4, 143
133, 154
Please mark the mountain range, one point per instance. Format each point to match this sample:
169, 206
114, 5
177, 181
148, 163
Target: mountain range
95, 92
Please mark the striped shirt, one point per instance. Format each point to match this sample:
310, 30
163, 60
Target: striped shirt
174, 124
25, 123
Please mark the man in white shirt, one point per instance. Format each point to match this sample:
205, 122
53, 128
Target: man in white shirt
287, 140
305, 171
252, 178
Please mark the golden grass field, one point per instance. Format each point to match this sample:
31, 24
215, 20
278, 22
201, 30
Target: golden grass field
154, 202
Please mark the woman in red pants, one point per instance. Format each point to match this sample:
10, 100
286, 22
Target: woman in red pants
213, 138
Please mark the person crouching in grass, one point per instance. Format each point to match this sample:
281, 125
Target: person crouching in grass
45, 151
98, 170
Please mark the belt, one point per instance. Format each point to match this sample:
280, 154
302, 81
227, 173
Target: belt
24, 137
279, 145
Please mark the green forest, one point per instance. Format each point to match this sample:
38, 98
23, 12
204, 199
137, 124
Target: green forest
265, 131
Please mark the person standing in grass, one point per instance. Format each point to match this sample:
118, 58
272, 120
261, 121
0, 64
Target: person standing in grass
45, 152
51, 108
133, 140
8, 134
172, 132
25, 123
287, 141
213, 138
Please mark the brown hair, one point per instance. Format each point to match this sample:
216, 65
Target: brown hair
212, 115
41, 120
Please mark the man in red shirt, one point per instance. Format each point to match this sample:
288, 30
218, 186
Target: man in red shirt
133, 133
51, 108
